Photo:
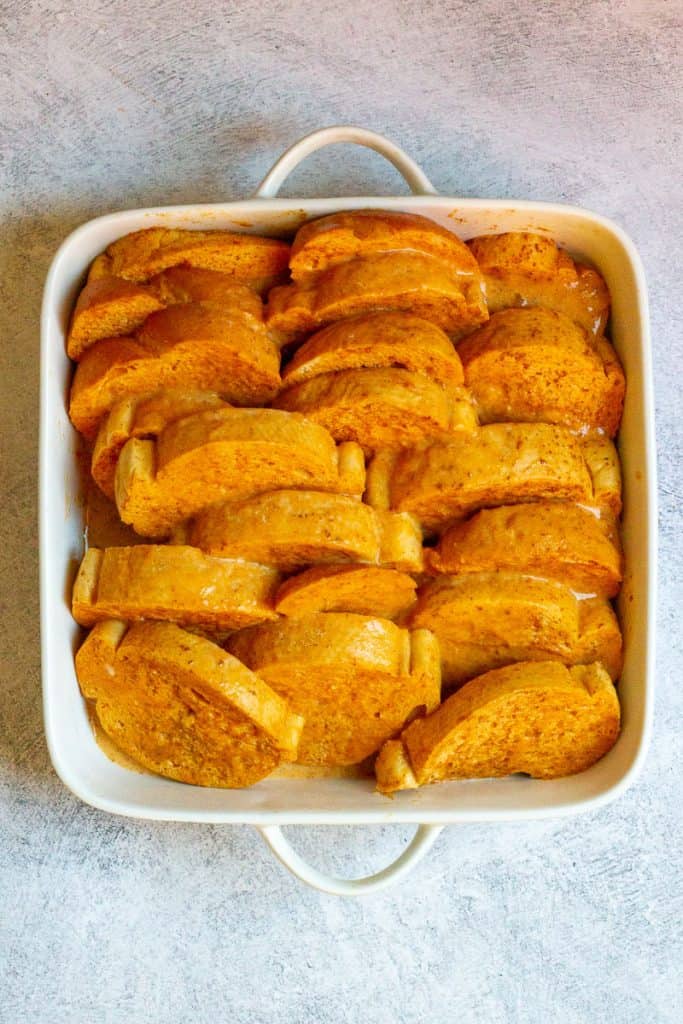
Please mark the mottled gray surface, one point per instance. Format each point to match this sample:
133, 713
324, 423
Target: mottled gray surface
105, 106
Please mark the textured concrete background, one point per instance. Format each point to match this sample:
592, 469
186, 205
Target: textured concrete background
109, 105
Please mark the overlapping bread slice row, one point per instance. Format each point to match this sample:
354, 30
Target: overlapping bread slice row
267, 491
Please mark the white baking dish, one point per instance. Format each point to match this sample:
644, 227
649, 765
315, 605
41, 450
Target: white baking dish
76, 756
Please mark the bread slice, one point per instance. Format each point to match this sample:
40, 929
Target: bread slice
375, 340
356, 680
113, 307
534, 364
328, 241
539, 718
362, 589
486, 620
186, 346
227, 454
106, 307
483, 620
180, 584
143, 417
524, 269
295, 528
181, 706
381, 408
389, 281
503, 463
139, 256
554, 540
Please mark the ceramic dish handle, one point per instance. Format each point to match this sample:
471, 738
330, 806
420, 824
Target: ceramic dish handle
416, 178
423, 840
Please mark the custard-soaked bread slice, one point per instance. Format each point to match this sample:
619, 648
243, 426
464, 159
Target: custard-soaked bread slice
106, 307
381, 408
189, 346
251, 259
143, 417
562, 542
181, 584
486, 620
111, 306
503, 463
228, 454
363, 589
390, 281
323, 243
181, 706
378, 339
536, 364
540, 718
291, 529
508, 616
356, 680
524, 269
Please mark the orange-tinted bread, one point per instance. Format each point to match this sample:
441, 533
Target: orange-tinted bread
180, 584
528, 365
524, 269
185, 284
486, 620
227, 454
339, 237
250, 259
143, 417
555, 540
181, 706
600, 636
381, 408
390, 281
604, 467
374, 340
356, 680
191, 346
291, 529
106, 307
503, 463
363, 589
539, 718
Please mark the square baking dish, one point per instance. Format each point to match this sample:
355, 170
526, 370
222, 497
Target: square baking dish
78, 759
